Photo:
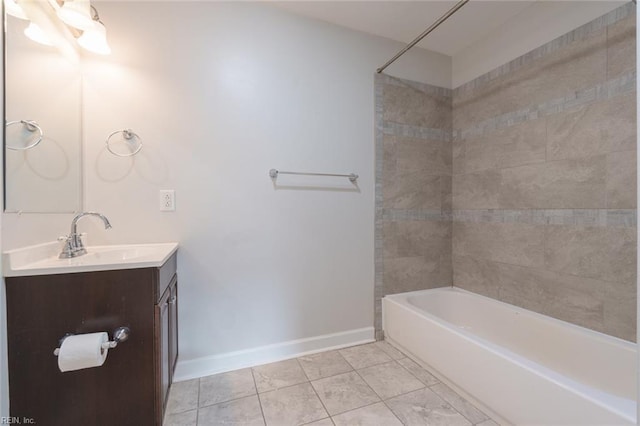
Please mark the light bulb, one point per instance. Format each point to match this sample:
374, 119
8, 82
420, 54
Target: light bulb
94, 39
14, 9
35, 33
76, 13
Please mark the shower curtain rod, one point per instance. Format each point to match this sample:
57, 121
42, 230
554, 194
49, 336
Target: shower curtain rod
433, 26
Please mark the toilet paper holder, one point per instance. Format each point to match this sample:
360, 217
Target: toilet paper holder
120, 334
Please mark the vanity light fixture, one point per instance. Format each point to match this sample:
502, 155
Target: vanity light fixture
79, 15
13, 9
94, 39
35, 33
76, 13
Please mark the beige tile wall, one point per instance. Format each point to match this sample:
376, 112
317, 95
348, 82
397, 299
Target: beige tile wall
413, 180
519, 185
555, 133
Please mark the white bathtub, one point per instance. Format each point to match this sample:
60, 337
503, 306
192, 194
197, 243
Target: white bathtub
527, 368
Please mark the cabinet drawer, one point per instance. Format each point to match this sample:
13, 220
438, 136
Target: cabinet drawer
165, 274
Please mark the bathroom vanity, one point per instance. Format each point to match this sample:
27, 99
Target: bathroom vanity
131, 286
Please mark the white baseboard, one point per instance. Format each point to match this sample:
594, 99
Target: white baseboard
206, 366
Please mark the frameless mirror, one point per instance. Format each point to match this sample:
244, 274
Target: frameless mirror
42, 116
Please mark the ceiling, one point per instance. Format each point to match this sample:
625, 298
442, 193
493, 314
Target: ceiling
404, 20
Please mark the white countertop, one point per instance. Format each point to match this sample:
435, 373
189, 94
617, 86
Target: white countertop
42, 259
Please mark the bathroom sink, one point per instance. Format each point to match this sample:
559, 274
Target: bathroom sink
43, 259
118, 254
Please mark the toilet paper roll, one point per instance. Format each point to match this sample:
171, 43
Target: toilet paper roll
82, 351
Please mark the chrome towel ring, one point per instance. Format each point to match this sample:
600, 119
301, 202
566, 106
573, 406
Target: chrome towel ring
31, 126
130, 137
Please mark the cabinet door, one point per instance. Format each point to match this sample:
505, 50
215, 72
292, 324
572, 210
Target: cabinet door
162, 333
173, 328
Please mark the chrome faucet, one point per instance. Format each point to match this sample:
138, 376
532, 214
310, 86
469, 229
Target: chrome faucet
73, 246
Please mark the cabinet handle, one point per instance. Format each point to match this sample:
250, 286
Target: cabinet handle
172, 300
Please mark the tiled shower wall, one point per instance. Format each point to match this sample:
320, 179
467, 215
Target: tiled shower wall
543, 188
544, 184
413, 188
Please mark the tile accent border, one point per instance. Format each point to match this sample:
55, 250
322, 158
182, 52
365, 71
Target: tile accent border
379, 82
580, 217
579, 33
625, 84
396, 215
409, 131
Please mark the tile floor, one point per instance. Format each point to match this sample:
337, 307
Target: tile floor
368, 385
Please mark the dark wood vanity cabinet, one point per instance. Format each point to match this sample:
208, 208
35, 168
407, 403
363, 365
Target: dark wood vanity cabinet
166, 332
131, 387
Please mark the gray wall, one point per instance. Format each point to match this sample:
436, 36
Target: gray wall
544, 184
413, 187
543, 157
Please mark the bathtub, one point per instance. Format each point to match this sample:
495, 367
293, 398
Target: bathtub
523, 367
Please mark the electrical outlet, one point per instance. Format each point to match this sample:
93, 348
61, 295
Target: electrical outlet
167, 200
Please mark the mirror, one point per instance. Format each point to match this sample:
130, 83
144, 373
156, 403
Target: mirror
43, 117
